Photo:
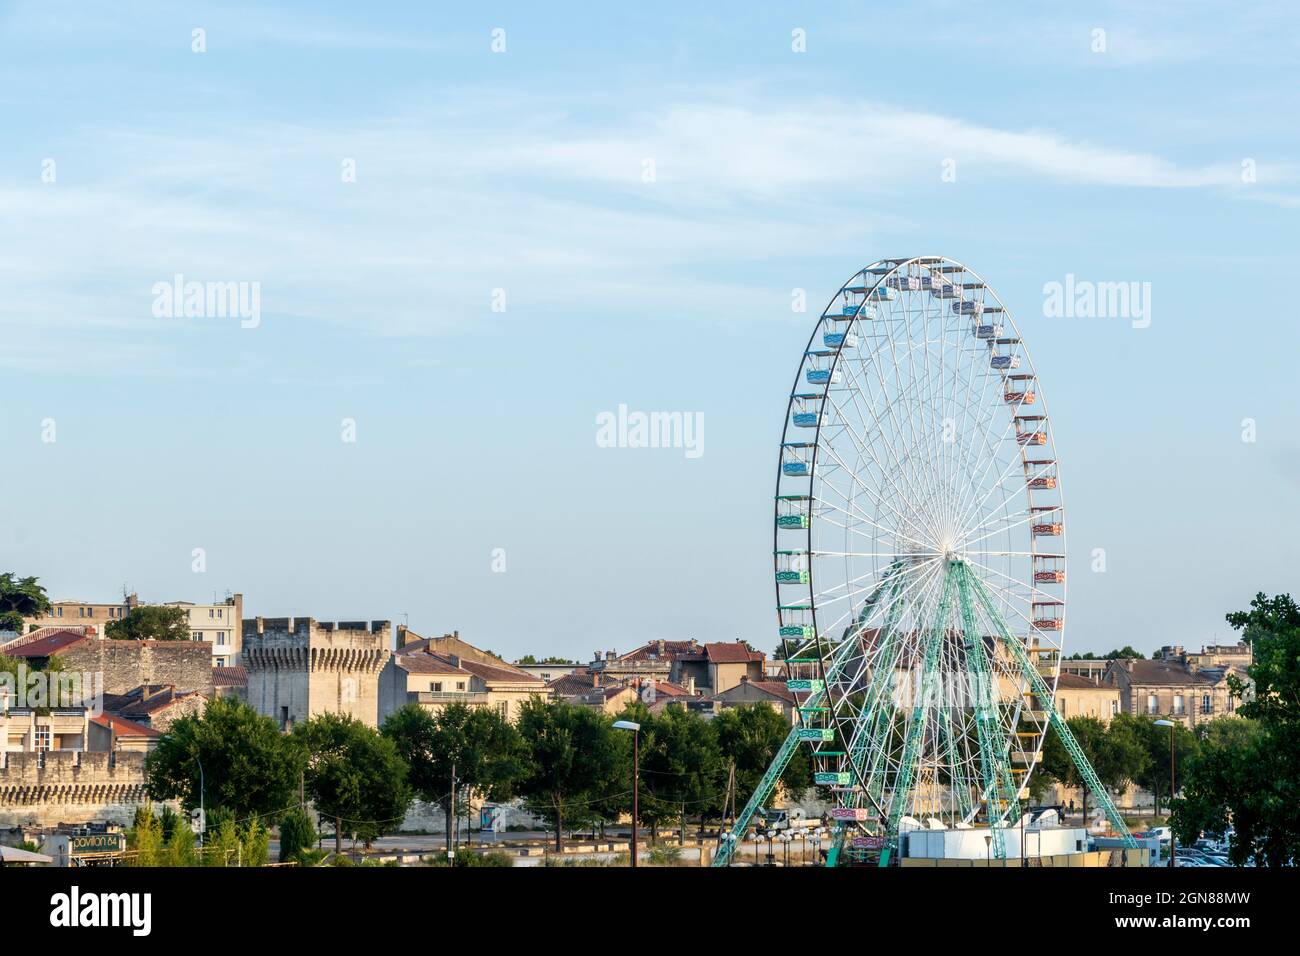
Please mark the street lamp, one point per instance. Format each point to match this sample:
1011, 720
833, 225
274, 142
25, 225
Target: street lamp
636, 773
731, 853
1170, 724
988, 848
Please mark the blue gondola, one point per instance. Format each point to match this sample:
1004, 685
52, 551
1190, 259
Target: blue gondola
968, 307
805, 419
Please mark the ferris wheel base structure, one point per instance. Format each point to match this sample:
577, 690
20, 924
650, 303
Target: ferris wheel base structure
920, 565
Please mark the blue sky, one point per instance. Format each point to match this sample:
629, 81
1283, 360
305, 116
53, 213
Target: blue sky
523, 171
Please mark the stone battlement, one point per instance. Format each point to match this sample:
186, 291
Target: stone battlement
263, 626
70, 785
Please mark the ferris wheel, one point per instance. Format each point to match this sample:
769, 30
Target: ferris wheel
919, 551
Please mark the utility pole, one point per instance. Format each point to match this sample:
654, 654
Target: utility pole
451, 845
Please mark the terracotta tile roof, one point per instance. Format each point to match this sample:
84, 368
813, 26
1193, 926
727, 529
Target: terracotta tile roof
424, 663
1166, 673
45, 646
124, 728
40, 633
660, 650
229, 677
570, 685
1075, 682
504, 675
669, 689
732, 652
146, 699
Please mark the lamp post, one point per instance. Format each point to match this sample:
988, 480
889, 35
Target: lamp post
1172, 842
988, 848
636, 774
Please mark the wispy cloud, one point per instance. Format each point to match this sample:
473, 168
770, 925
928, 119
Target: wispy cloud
446, 208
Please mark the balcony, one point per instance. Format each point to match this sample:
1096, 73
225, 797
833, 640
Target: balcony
443, 697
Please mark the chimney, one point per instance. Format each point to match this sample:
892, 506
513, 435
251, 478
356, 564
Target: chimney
690, 685
595, 678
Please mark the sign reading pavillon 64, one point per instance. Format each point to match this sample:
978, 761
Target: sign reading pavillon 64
97, 843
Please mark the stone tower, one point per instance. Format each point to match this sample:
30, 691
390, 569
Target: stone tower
300, 667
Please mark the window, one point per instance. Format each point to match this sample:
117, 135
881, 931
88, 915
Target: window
1178, 704
1060, 706
504, 709
198, 635
218, 613
460, 685
41, 741
437, 687
59, 612
1153, 705
211, 613
1206, 706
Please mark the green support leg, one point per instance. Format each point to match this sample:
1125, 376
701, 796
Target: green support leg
1044, 694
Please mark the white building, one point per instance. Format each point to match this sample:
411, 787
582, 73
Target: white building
217, 623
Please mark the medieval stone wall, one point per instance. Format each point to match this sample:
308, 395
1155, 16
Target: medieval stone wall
64, 786
128, 664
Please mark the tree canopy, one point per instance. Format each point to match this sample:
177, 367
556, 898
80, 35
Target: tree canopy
20, 598
248, 768
354, 776
573, 758
1248, 776
482, 749
151, 622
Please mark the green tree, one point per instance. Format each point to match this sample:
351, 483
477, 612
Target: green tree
481, 747
1117, 759
255, 844
151, 622
354, 775
682, 763
145, 838
655, 802
1246, 777
1127, 757
23, 597
296, 834
180, 845
749, 736
1154, 773
572, 756
247, 767
222, 845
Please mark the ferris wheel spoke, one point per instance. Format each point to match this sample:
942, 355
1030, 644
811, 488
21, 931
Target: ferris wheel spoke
862, 484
